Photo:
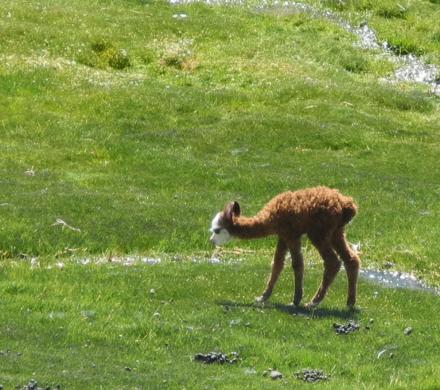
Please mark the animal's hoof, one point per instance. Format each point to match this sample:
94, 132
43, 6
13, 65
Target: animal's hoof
261, 299
351, 303
311, 305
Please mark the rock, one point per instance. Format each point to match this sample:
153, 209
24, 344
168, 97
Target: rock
349, 327
311, 375
32, 385
216, 357
407, 331
275, 375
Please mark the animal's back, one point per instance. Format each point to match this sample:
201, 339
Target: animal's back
310, 206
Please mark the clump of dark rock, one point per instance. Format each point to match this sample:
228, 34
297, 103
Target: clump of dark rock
216, 357
33, 385
347, 328
311, 376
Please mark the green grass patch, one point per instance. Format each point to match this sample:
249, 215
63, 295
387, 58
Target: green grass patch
124, 327
103, 55
409, 27
124, 129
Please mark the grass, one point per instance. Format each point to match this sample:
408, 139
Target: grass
124, 129
409, 27
109, 326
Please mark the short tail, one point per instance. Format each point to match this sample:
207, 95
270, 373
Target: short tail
349, 210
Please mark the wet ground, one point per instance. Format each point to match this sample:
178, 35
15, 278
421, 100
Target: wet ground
396, 279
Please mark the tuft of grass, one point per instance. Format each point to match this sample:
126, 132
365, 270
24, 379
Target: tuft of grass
355, 63
103, 55
178, 55
403, 46
391, 11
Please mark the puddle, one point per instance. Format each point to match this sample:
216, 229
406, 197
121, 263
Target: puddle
410, 68
396, 279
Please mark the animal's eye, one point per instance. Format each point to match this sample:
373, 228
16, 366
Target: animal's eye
216, 231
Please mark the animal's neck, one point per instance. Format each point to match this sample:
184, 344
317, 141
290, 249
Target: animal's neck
251, 227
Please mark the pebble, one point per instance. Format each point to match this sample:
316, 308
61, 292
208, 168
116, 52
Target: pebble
407, 331
273, 374
349, 327
311, 375
216, 357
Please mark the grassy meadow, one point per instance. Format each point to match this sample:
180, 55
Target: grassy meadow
126, 125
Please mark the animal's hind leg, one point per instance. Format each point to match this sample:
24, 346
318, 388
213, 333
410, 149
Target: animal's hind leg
351, 263
331, 268
298, 269
277, 267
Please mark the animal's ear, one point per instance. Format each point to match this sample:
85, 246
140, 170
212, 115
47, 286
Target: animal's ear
232, 209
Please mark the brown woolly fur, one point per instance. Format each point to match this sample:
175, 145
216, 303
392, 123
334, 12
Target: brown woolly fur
321, 213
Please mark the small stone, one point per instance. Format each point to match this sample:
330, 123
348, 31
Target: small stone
407, 331
274, 375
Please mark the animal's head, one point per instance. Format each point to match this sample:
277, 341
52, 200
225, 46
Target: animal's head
222, 223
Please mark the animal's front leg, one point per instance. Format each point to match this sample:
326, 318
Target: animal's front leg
277, 267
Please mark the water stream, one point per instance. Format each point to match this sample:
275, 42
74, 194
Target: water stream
396, 279
409, 68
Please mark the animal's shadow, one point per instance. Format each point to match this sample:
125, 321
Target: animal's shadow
318, 312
